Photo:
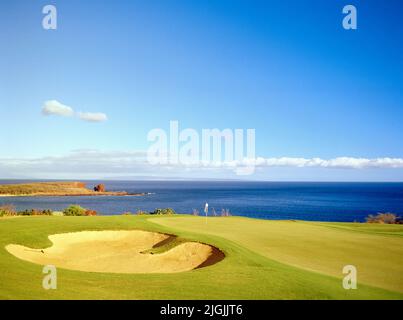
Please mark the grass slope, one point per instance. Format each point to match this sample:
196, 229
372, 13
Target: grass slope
376, 250
249, 271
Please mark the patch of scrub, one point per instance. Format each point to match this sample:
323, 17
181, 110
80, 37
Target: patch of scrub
118, 252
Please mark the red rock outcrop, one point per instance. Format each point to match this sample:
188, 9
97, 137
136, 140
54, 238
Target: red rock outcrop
99, 188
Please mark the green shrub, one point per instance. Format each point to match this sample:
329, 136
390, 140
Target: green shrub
163, 211
74, 210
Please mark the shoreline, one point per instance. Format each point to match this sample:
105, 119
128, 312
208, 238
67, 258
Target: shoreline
59, 189
107, 194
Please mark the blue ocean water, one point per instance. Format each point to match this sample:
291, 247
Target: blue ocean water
315, 201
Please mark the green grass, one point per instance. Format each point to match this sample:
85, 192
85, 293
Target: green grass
264, 260
376, 250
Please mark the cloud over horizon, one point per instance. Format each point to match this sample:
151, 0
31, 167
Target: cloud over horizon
54, 107
92, 117
95, 164
336, 163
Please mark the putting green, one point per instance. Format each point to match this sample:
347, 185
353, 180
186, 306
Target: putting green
321, 247
263, 260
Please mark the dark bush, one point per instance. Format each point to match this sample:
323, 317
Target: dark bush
163, 211
35, 212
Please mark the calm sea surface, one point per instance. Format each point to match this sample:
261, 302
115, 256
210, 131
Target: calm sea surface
265, 200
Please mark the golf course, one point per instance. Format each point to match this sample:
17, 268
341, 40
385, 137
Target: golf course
253, 259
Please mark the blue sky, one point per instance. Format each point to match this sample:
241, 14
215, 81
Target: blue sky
288, 69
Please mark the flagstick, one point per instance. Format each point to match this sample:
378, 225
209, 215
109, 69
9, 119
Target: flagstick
206, 210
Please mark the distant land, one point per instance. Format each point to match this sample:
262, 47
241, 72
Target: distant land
42, 189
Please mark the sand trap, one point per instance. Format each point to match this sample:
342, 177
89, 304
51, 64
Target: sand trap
117, 252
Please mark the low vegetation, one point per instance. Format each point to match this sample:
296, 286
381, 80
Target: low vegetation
76, 210
35, 212
384, 218
7, 210
166, 211
10, 211
224, 213
73, 210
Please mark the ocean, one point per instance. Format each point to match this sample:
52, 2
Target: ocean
314, 201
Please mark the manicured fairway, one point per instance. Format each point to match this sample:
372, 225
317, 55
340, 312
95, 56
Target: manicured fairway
375, 250
264, 260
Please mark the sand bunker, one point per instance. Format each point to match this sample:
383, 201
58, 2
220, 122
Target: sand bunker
118, 252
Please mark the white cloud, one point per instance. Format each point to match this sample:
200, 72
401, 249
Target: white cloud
340, 162
335, 163
92, 117
90, 163
54, 107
